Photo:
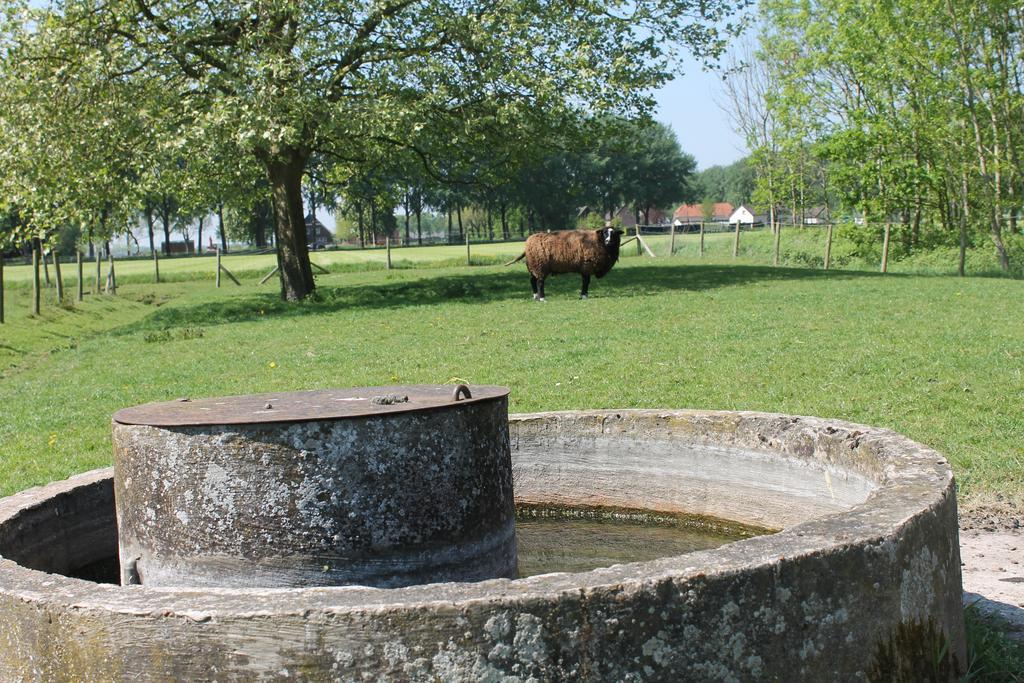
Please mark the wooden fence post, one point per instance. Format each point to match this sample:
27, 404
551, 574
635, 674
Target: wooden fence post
156, 262
1, 289
736, 241
387, 255
702, 239
221, 268
81, 285
469, 260
99, 260
672, 239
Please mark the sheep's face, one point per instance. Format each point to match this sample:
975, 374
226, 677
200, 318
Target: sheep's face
611, 237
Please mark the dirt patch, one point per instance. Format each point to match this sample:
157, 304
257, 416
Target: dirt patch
998, 516
992, 557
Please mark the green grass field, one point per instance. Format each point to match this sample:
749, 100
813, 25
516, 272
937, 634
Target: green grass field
935, 357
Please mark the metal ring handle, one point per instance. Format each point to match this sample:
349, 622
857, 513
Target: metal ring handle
461, 390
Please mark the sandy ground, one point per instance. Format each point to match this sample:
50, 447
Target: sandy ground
992, 555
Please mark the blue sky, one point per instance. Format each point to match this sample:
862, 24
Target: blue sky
688, 105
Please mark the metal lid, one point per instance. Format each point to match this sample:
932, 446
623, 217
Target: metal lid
305, 406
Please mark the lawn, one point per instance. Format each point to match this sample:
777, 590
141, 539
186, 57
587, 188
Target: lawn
935, 357
139, 270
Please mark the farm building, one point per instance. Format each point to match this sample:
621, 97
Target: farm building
691, 215
746, 216
317, 235
627, 216
816, 215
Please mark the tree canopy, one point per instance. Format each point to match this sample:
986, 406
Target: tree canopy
910, 112
110, 91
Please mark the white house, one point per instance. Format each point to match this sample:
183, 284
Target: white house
742, 215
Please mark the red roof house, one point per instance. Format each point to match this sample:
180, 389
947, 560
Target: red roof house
693, 214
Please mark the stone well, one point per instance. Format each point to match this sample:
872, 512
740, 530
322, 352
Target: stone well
861, 582
378, 486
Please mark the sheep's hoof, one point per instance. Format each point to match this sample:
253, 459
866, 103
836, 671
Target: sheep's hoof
583, 296
542, 300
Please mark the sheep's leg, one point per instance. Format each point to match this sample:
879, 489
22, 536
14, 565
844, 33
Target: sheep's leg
533, 286
540, 288
586, 286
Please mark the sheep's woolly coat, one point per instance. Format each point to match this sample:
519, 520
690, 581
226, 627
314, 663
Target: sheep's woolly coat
569, 251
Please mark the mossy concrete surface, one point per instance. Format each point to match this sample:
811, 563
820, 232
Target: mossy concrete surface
862, 582
413, 492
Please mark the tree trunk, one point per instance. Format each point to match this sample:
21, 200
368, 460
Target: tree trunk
362, 228
828, 245
915, 232
965, 214
199, 238
220, 227
35, 277
504, 221
373, 223
407, 206
165, 216
1, 288
152, 243
419, 224
778, 234
885, 246
111, 276
81, 275
458, 213
42, 257
58, 278
285, 176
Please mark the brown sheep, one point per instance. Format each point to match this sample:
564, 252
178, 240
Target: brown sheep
587, 252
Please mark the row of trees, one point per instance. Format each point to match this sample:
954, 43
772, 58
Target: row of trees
733, 183
609, 164
112, 106
910, 113
635, 164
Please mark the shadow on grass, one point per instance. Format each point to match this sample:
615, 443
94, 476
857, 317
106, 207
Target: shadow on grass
479, 287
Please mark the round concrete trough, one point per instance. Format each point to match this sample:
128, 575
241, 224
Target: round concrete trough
862, 582
377, 486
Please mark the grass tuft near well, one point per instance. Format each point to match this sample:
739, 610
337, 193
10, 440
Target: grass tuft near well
992, 657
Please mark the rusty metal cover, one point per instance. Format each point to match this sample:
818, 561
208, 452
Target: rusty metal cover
305, 406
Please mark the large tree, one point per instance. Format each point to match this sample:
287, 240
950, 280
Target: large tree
281, 80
